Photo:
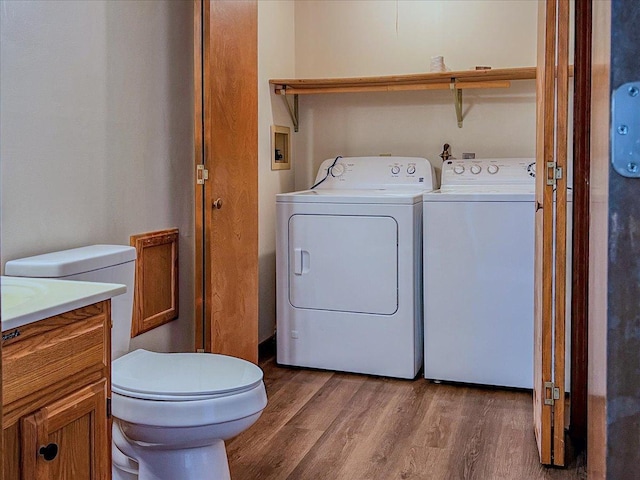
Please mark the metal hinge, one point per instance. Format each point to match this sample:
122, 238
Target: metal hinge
551, 393
554, 173
625, 133
202, 174
108, 407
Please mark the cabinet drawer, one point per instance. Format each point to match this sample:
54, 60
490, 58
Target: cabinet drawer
55, 350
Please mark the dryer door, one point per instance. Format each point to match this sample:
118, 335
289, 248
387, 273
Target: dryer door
344, 263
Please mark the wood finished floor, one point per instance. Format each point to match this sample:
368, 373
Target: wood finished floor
324, 426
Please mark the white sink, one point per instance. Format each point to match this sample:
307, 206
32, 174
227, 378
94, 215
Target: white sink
18, 291
27, 300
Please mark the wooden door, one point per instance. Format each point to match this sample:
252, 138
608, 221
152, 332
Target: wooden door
227, 203
68, 439
551, 220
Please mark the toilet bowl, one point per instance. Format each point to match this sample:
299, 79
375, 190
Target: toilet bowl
171, 412
122, 467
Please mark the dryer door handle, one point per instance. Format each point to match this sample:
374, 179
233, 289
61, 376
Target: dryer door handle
300, 261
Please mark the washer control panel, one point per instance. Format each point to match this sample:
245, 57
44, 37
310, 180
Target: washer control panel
488, 174
385, 172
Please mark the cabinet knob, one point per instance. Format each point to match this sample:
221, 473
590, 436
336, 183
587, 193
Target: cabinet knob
217, 203
49, 452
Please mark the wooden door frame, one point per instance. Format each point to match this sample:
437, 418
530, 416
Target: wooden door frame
614, 314
581, 198
202, 342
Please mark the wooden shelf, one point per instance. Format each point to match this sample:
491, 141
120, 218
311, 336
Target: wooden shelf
395, 82
455, 81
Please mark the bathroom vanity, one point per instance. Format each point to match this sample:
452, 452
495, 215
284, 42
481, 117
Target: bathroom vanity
56, 384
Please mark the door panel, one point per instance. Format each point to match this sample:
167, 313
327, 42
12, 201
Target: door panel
560, 232
227, 214
551, 222
353, 271
74, 432
545, 85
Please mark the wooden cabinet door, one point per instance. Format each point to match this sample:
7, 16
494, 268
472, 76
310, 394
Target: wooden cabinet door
551, 222
226, 143
68, 439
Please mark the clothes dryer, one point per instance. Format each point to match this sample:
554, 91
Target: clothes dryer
348, 267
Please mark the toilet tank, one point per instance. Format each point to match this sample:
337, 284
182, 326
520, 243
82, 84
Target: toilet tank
95, 263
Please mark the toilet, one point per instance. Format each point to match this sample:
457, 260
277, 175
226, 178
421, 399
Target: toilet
172, 412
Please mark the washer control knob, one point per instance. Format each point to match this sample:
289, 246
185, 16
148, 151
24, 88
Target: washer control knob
493, 169
337, 170
531, 169
475, 169
458, 169
411, 169
395, 170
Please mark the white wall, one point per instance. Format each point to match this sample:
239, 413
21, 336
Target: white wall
358, 38
275, 60
96, 131
383, 37
96, 124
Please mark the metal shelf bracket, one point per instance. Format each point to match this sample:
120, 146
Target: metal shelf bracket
457, 98
293, 110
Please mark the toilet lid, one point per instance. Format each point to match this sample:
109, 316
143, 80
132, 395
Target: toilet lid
182, 376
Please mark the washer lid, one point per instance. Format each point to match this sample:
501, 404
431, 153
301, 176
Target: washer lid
187, 376
476, 196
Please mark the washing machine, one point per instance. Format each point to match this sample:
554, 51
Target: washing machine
348, 267
479, 234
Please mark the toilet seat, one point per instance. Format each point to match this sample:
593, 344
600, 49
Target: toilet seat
160, 413
184, 389
181, 377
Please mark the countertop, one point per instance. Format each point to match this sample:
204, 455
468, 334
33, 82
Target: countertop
27, 300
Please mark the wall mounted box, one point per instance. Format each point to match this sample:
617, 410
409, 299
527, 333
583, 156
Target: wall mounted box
156, 287
280, 148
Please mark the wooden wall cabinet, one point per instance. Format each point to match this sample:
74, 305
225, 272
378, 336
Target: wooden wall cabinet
56, 384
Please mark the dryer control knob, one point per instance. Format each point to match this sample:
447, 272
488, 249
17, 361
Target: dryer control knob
475, 169
493, 169
458, 169
337, 170
411, 169
395, 169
